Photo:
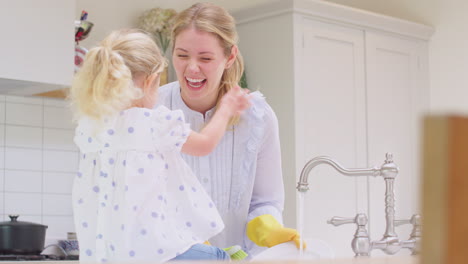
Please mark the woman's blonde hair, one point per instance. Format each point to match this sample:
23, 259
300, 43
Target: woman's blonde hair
216, 20
104, 85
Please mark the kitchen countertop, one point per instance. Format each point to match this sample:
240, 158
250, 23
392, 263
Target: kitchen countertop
376, 260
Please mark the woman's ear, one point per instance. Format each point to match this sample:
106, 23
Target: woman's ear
232, 57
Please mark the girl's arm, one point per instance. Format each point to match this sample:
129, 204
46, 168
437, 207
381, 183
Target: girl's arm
200, 144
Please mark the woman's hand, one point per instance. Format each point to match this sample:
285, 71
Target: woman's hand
235, 101
265, 231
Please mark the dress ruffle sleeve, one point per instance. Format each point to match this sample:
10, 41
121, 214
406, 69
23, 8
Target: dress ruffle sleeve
257, 113
170, 131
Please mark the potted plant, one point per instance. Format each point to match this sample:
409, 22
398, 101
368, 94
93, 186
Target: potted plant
158, 22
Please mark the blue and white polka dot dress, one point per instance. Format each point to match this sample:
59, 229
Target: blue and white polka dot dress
134, 197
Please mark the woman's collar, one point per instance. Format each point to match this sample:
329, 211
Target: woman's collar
180, 104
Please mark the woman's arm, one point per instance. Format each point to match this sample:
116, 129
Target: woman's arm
268, 189
199, 144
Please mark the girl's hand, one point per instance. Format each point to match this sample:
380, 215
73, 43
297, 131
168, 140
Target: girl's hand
235, 101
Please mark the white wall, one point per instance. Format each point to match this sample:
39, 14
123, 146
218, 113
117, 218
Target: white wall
449, 58
38, 161
125, 14
107, 15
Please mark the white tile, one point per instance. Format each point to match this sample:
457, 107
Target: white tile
58, 182
2, 209
60, 161
57, 204
23, 203
2, 112
23, 181
56, 102
24, 114
2, 98
2, 157
21, 136
23, 159
2, 185
59, 139
24, 99
2, 135
58, 226
58, 117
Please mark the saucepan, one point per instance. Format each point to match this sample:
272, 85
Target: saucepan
21, 238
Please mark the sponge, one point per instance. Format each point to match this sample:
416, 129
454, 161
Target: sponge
236, 252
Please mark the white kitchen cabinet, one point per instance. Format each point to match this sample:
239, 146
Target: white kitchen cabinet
397, 98
344, 83
37, 45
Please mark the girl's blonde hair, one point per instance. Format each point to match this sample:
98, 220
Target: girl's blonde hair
105, 85
216, 20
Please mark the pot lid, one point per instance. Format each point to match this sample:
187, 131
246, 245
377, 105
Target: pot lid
14, 222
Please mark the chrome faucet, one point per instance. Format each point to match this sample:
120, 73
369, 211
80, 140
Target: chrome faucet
361, 244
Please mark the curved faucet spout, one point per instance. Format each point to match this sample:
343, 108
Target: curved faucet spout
303, 184
388, 170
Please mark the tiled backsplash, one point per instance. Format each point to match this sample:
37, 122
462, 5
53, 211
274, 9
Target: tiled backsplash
38, 161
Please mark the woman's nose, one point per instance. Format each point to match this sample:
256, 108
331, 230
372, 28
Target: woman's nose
193, 66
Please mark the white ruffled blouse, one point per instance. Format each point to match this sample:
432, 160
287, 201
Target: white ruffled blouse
135, 198
243, 174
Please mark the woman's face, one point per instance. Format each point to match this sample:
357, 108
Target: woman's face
199, 62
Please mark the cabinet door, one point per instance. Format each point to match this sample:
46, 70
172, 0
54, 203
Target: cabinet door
330, 120
397, 96
37, 41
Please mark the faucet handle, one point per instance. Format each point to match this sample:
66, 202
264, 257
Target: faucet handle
359, 219
402, 222
361, 242
337, 220
415, 220
414, 242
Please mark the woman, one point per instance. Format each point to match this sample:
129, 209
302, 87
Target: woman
243, 174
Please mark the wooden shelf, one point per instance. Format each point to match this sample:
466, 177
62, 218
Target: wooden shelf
61, 93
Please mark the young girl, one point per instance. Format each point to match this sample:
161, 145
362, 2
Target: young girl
134, 197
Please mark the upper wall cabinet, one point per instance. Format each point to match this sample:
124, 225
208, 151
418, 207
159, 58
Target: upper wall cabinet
37, 43
348, 84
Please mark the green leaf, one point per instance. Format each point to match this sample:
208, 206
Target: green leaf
243, 81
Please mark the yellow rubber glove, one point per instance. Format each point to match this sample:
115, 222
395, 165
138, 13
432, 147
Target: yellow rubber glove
265, 231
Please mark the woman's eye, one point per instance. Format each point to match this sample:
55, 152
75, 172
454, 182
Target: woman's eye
182, 56
206, 59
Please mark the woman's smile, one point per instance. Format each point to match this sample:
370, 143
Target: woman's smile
195, 84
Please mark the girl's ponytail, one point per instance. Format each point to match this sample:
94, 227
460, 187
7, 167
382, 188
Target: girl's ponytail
104, 84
